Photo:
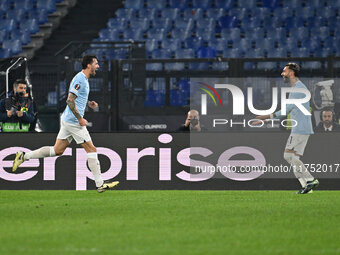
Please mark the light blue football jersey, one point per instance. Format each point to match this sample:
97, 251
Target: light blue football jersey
304, 125
80, 87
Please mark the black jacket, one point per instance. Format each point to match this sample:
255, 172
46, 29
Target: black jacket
320, 128
7, 103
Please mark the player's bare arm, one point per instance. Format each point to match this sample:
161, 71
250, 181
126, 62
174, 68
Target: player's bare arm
72, 105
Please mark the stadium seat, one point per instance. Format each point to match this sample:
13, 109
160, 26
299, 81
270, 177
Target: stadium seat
283, 13
23, 4
294, 22
234, 53
8, 25
133, 34
316, 3
207, 23
206, 34
228, 22
311, 65
194, 14
119, 24
48, 5
164, 23
314, 22
161, 54
193, 43
5, 53
300, 52
322, 32
140, 23
171, 13
30, 25
246, 4
16, 14
181, 34
156, 33
277, 33
225, 4
172, 44
271, 4
312, 43
23, 36
13, 45
277, 53
150, 45
215, 13
294, 4
110, 34
239, 13
231, 34
326, 12
244, 44
154, 98
206, 52
159, 5
134, 4
267, 65
291, 44
271, 23
205, 4
182, 23
267, 44
40, 15
3, 35
180, 4
150, 13
126, 13
256, 33
184, 53
305, 12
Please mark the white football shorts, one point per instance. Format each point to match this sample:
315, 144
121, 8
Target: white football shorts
297, 143
70, 131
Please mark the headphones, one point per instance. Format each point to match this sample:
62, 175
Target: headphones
328, 110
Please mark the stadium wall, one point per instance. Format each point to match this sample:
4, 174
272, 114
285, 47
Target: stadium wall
161, 161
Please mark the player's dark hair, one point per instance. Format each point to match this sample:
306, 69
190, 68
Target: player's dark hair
295, 68
19, 81
87, 59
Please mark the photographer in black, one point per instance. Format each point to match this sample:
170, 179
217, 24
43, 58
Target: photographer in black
192, 122
16, 111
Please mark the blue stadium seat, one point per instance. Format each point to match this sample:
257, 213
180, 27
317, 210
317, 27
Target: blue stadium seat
156, 33
140, 23
233, 34
246, 4
311, 65
5, 53
30, 25
172, 44
239, 13
244, 44
181, 4
329, 42
312, 43
161, 54
133, 34
277, 53
228, 21
154, 98
294, 22
261, 12
291, 44
283, 13
23, 4
40, 15
193, 43
48, 5
164, 23
150, 13
271, 23
171, 13
225, 4
206, 23
333, 22
277, 33
267, 65
254, 53
256, 33
215, 13
305, 12
109, 34
205, 4
159, 5
316, 3
206, 34
326, 12
218, 44
267, 44
3, 35
314, 22
182, 23
193, 13
184, 53
16, 14
119, 24
134, 4
300, 52
300, 33
181, 34
14, 46
126, 13
150, 45
325, 52
322, 32
271, 4
294, 4
23, 36
221, 66
8, 25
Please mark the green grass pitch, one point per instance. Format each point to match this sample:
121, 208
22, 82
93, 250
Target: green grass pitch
169, 222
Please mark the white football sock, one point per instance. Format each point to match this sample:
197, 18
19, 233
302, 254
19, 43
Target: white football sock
301, 171
43, 152
94, 165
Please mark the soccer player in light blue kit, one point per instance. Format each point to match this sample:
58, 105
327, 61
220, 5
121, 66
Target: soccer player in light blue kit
73, 125
300, 133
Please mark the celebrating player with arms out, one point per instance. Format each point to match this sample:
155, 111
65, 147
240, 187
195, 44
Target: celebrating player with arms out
298, 138
73, 125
